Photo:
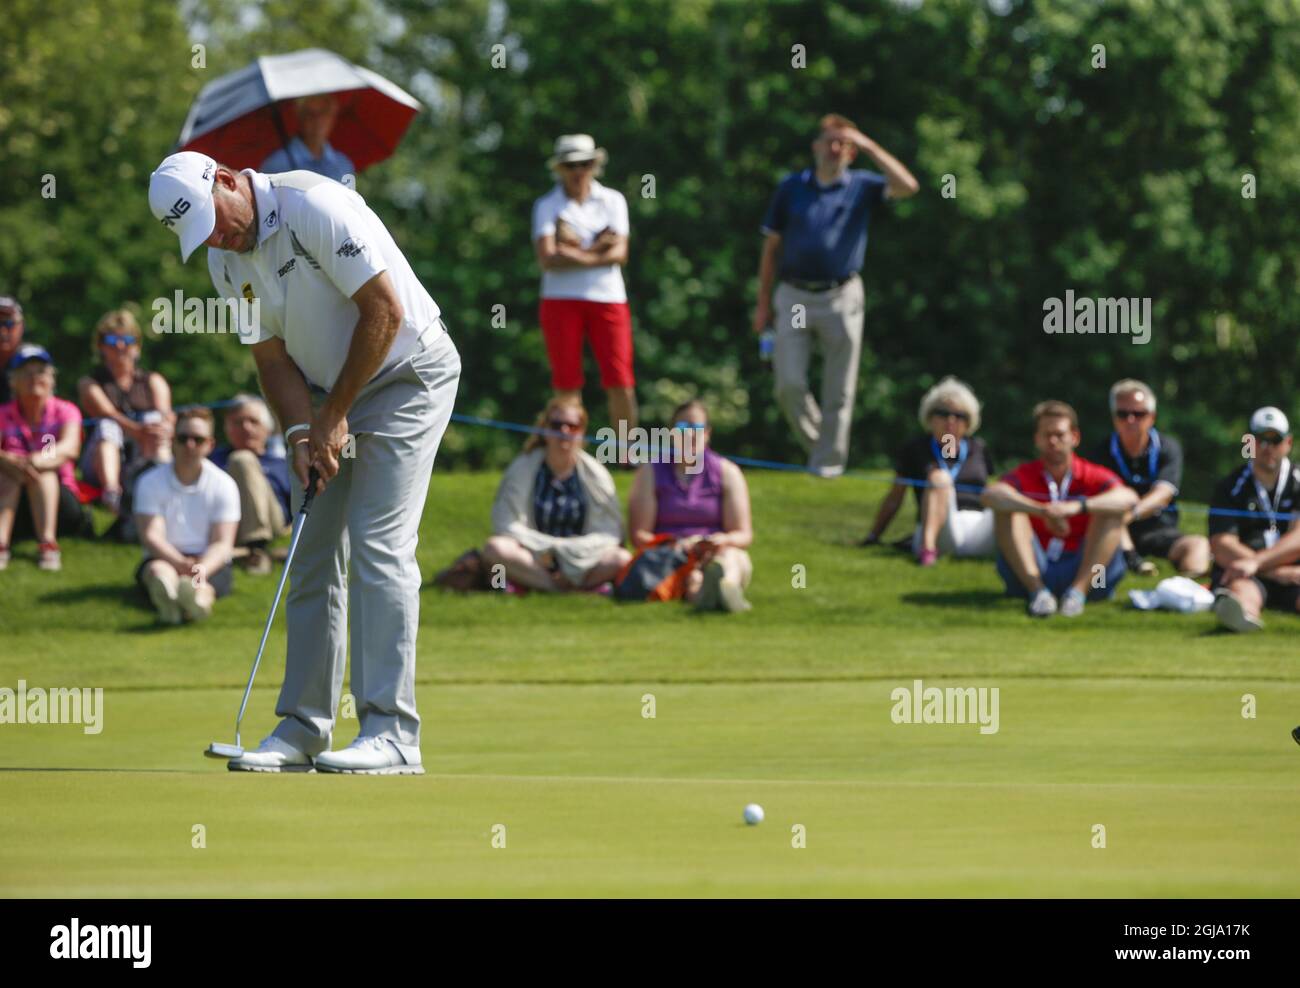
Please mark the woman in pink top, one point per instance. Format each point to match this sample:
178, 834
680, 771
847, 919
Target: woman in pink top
702, 500
40, 437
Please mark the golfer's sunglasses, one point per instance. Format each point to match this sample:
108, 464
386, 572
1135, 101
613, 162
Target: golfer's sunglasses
8, 323
558, 426
1270, 438
577, 164
1128, 414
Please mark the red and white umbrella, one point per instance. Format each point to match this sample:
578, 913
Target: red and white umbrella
239, 119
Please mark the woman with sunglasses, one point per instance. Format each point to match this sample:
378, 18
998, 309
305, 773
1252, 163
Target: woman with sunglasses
702, 500
133, 407
40, 436
946, 469
556, 520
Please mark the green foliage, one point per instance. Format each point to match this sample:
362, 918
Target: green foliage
1118, 181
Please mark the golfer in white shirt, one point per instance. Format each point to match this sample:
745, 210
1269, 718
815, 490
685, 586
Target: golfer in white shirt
355, 361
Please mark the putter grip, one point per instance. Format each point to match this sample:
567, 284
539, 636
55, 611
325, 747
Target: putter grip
310, 493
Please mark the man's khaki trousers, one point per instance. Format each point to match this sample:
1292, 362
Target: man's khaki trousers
835, 318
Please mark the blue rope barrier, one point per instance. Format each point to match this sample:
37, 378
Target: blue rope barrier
760, 464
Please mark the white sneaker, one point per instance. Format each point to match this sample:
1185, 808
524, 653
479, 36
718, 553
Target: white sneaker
827, 472
49, 558
372, 756
1232, 615
1072, 602
1042, 604
272, 755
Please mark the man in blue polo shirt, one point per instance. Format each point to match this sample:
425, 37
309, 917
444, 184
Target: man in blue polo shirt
815, 240
311, 149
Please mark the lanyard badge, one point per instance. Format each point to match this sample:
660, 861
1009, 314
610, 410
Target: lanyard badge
1121, 461
1271, 535
1057, 545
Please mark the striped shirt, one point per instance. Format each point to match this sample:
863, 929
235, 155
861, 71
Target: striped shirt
559, 506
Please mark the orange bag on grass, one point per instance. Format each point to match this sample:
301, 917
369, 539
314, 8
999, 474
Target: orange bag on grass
658, 571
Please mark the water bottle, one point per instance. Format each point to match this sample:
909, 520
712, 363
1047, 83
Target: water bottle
766, 343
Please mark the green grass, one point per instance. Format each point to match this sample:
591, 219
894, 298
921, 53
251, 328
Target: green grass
533, 720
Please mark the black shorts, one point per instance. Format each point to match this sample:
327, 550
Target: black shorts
222, 581
73, 521
1277, 596
1155, 541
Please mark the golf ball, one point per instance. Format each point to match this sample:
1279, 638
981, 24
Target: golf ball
753, 814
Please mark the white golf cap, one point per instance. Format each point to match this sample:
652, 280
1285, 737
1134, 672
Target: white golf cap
180, 195
1269, 419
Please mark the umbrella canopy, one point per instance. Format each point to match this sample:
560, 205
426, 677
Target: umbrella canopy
238, 119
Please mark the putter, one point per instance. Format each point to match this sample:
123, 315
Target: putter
217, 749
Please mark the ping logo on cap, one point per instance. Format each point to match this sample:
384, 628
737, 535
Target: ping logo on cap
179, 208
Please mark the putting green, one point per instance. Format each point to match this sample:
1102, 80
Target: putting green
533, 711
596, 799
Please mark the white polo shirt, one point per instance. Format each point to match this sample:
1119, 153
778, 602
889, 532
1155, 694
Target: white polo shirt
188, 512
603, 208
317, 243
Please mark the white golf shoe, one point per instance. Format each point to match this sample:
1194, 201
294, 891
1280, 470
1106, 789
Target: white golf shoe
272, 755
372, 756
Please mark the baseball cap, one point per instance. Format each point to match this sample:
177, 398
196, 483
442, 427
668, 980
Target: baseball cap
1269, 419
9, 302
28, 352
180, 195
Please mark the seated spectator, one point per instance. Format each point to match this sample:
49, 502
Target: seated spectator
703, 501
1255, 545
187, 512
11, 336
262, 479
40, 437
556, 521
949, 520
1151, 463
133, 409
1058, 521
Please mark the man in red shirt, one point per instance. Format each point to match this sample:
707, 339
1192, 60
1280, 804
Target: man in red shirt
1059, 520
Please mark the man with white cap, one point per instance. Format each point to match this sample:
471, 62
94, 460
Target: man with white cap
580, 231
1255, 545
356, 363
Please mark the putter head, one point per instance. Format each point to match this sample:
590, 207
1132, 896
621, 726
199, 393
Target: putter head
218, 750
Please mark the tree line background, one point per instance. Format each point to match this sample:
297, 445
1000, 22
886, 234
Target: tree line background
1125, 180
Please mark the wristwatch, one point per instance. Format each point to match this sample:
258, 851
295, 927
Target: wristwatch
300, 427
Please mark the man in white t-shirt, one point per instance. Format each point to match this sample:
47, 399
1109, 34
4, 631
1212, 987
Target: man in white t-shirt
357, 365
186, 512
580, 232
